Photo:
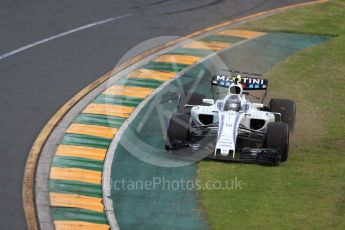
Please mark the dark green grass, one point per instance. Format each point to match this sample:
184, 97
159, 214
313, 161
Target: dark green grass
308, 191
323, 19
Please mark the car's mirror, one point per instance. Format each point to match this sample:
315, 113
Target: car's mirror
208, 101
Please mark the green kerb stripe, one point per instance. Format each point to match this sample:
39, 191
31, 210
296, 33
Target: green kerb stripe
117, 100
75, 187
165, 66
76, 214
101, 120
193, 52
85, 140
140, 82
77, 162
223, 38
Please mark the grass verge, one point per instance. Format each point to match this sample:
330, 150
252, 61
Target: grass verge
308, 191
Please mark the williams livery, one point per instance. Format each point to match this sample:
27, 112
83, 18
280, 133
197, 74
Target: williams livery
247, 83
230, 125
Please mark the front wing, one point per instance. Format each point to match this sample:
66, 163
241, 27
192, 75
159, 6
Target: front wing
252, 155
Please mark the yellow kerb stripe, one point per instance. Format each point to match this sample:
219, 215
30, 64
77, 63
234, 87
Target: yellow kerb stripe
81, 151
93, 130
214, 46
241, 33
109, 110
151, 74
130, 91
82, 175
76, 201
78, 225
180, 59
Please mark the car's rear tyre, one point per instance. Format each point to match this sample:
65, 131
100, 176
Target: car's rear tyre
178, 129
287, 109
277, 137
190, 99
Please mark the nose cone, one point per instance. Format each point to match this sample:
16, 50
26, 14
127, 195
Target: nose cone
224, 153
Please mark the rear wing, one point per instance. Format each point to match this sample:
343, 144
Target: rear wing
249, 81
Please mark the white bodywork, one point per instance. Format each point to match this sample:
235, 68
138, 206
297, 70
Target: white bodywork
229, 121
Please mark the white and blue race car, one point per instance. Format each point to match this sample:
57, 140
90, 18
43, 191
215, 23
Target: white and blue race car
231, 126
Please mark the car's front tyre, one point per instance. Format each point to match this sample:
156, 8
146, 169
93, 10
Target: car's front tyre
277, 137
178, 130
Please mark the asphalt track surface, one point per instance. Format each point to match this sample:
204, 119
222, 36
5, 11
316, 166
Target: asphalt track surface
35, 83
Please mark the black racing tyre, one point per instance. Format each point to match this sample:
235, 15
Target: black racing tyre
287, 109
178, 129
190, 99
277, 137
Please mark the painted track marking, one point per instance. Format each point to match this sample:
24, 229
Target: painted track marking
45, 40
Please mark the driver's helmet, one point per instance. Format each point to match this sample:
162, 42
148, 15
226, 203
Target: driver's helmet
232, 103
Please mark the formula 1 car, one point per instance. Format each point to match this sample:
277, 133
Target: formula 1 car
235, 128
